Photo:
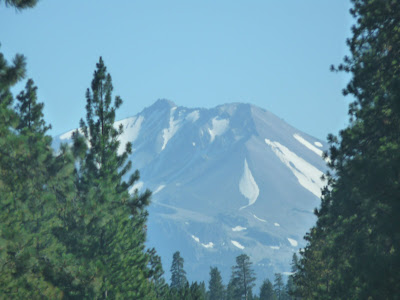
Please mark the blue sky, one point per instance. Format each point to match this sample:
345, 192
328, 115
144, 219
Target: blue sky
274, 54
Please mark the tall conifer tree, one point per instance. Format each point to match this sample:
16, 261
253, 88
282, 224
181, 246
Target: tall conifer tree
178, 274
267, 291
354, 250
243, 277
107, 231
215, 285
29, 250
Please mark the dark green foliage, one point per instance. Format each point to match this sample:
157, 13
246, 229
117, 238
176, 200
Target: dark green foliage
28, 172
290, 285
354, 250
30, 112
156, 275
290, 289
295, 263
178, 274
104, 226
230, 290
20, 4
242, 279
215, 285
197, 291
69, 228
267, 291
279, 286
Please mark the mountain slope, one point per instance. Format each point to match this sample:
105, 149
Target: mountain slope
227, 180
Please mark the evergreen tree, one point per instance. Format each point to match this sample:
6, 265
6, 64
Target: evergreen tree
156, 275
295, 263
242, 277
28, 172
353, 252
215, 285
290, 285
197, 291
231, 290
279, 286
178, 274
250, 295
267, 291
105, 226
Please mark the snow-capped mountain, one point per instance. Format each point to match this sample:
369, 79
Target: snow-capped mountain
229, 180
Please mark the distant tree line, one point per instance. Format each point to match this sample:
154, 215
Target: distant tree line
240, 287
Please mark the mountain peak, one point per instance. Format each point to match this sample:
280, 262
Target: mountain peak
229, 179
164, 103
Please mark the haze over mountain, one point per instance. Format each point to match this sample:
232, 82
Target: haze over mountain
229, 180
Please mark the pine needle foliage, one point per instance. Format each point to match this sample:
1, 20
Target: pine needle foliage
105, 228
28, 249
20, 4
242, 278
354, 250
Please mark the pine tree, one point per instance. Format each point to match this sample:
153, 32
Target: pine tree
156, 275
105, 227
203, 290
28, 206
290, 285
242, 276
353, 252
12, 265
197, 291
279, 286
178, 274
267, 291
215, 285
231, 290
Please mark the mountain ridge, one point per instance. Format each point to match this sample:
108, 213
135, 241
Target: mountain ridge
233, 166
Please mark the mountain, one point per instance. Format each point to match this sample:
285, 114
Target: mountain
228, 180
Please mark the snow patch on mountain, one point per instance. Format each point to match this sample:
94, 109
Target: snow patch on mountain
193, 116
219, 127
318, 144
159, 188
169, 132
308, 144
307, 175
196, 238
287, 273
293, 242
237, 244
67, 135
248, 186
261, 220
137, 186
131, 128
238, 228
208, 246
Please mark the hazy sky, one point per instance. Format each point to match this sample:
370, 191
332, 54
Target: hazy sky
274, 54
